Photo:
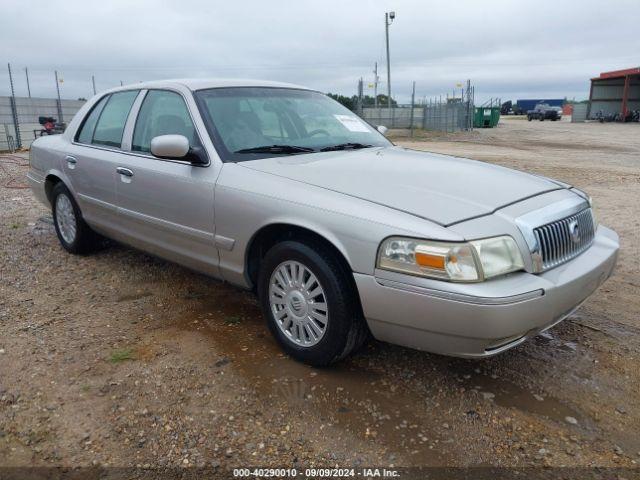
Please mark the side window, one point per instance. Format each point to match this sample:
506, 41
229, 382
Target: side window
86, 132
114, 115
162, 113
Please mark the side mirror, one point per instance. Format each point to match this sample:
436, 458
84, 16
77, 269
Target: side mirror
170, 146
382, 129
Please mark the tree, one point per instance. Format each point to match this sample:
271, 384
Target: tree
367, 101
349, 102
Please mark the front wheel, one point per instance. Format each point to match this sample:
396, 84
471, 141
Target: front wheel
310, 302
73, 232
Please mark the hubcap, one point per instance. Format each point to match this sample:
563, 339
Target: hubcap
298, 303
65, 218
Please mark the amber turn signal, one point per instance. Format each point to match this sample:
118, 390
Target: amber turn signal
430, 261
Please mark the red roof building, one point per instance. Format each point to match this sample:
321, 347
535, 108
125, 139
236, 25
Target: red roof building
615, 92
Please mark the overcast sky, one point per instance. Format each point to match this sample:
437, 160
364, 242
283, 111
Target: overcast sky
509, 49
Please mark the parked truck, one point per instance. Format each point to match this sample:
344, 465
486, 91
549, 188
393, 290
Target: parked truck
523, 106
542, 112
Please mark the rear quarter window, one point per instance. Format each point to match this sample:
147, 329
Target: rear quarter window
85, 135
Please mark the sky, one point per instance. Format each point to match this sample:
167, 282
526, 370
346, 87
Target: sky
509, 49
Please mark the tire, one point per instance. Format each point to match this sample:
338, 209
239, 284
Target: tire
529, 118
74, 234
542, 118
344, 326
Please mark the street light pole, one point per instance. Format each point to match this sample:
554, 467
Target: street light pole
388, 19
26, 72
375, 86
59, 101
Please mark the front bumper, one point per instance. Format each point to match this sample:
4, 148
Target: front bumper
482, 319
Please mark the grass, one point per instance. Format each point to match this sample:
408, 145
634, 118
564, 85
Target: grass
118, 356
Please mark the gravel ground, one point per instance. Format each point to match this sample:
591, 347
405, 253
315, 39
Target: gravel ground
122, 359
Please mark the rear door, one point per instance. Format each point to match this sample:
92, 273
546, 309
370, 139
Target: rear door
92, 158
166, 206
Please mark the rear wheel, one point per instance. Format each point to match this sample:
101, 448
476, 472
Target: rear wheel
73, 232
310, 302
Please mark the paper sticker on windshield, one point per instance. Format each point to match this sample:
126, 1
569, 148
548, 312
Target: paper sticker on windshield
351, 123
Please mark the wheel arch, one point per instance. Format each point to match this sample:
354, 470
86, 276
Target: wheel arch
53, 177
50, 181
268, 235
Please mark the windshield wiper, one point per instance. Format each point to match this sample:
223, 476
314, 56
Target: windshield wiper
345, 146
283, 149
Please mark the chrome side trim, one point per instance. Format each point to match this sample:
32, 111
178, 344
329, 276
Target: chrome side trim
224, 243
34, 177
460, 297
95, 201
175, 228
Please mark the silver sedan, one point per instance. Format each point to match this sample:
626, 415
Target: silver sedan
277, 188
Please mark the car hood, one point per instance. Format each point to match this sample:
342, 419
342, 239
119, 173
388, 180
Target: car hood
436, 187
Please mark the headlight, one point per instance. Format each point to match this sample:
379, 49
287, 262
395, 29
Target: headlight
498, 255
458, 262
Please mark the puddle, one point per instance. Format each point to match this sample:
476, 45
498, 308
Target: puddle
348, 397
547, 338
509, 395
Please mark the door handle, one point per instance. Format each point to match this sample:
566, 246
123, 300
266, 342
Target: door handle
71, 161
124, 171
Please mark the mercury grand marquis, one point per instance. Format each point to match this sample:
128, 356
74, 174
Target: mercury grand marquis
278, 188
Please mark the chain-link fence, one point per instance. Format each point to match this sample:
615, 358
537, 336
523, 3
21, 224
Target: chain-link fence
445, 116
448, 114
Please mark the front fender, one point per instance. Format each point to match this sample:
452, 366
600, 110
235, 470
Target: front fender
247, 201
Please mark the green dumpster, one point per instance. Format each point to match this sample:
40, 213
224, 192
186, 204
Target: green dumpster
486, 117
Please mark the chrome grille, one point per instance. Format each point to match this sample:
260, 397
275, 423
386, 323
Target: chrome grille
565, 239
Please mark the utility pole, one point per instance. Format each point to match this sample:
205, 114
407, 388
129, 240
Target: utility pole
413, 99
26, 72
14, 110
388, 19
375, 86
93, 82
360, 91
59, 101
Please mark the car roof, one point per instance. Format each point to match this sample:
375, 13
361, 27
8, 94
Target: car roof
204, 83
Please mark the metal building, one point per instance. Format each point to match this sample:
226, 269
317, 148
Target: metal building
615, 92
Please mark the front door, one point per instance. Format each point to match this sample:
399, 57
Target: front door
166, 206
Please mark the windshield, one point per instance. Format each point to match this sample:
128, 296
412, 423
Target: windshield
247, 123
